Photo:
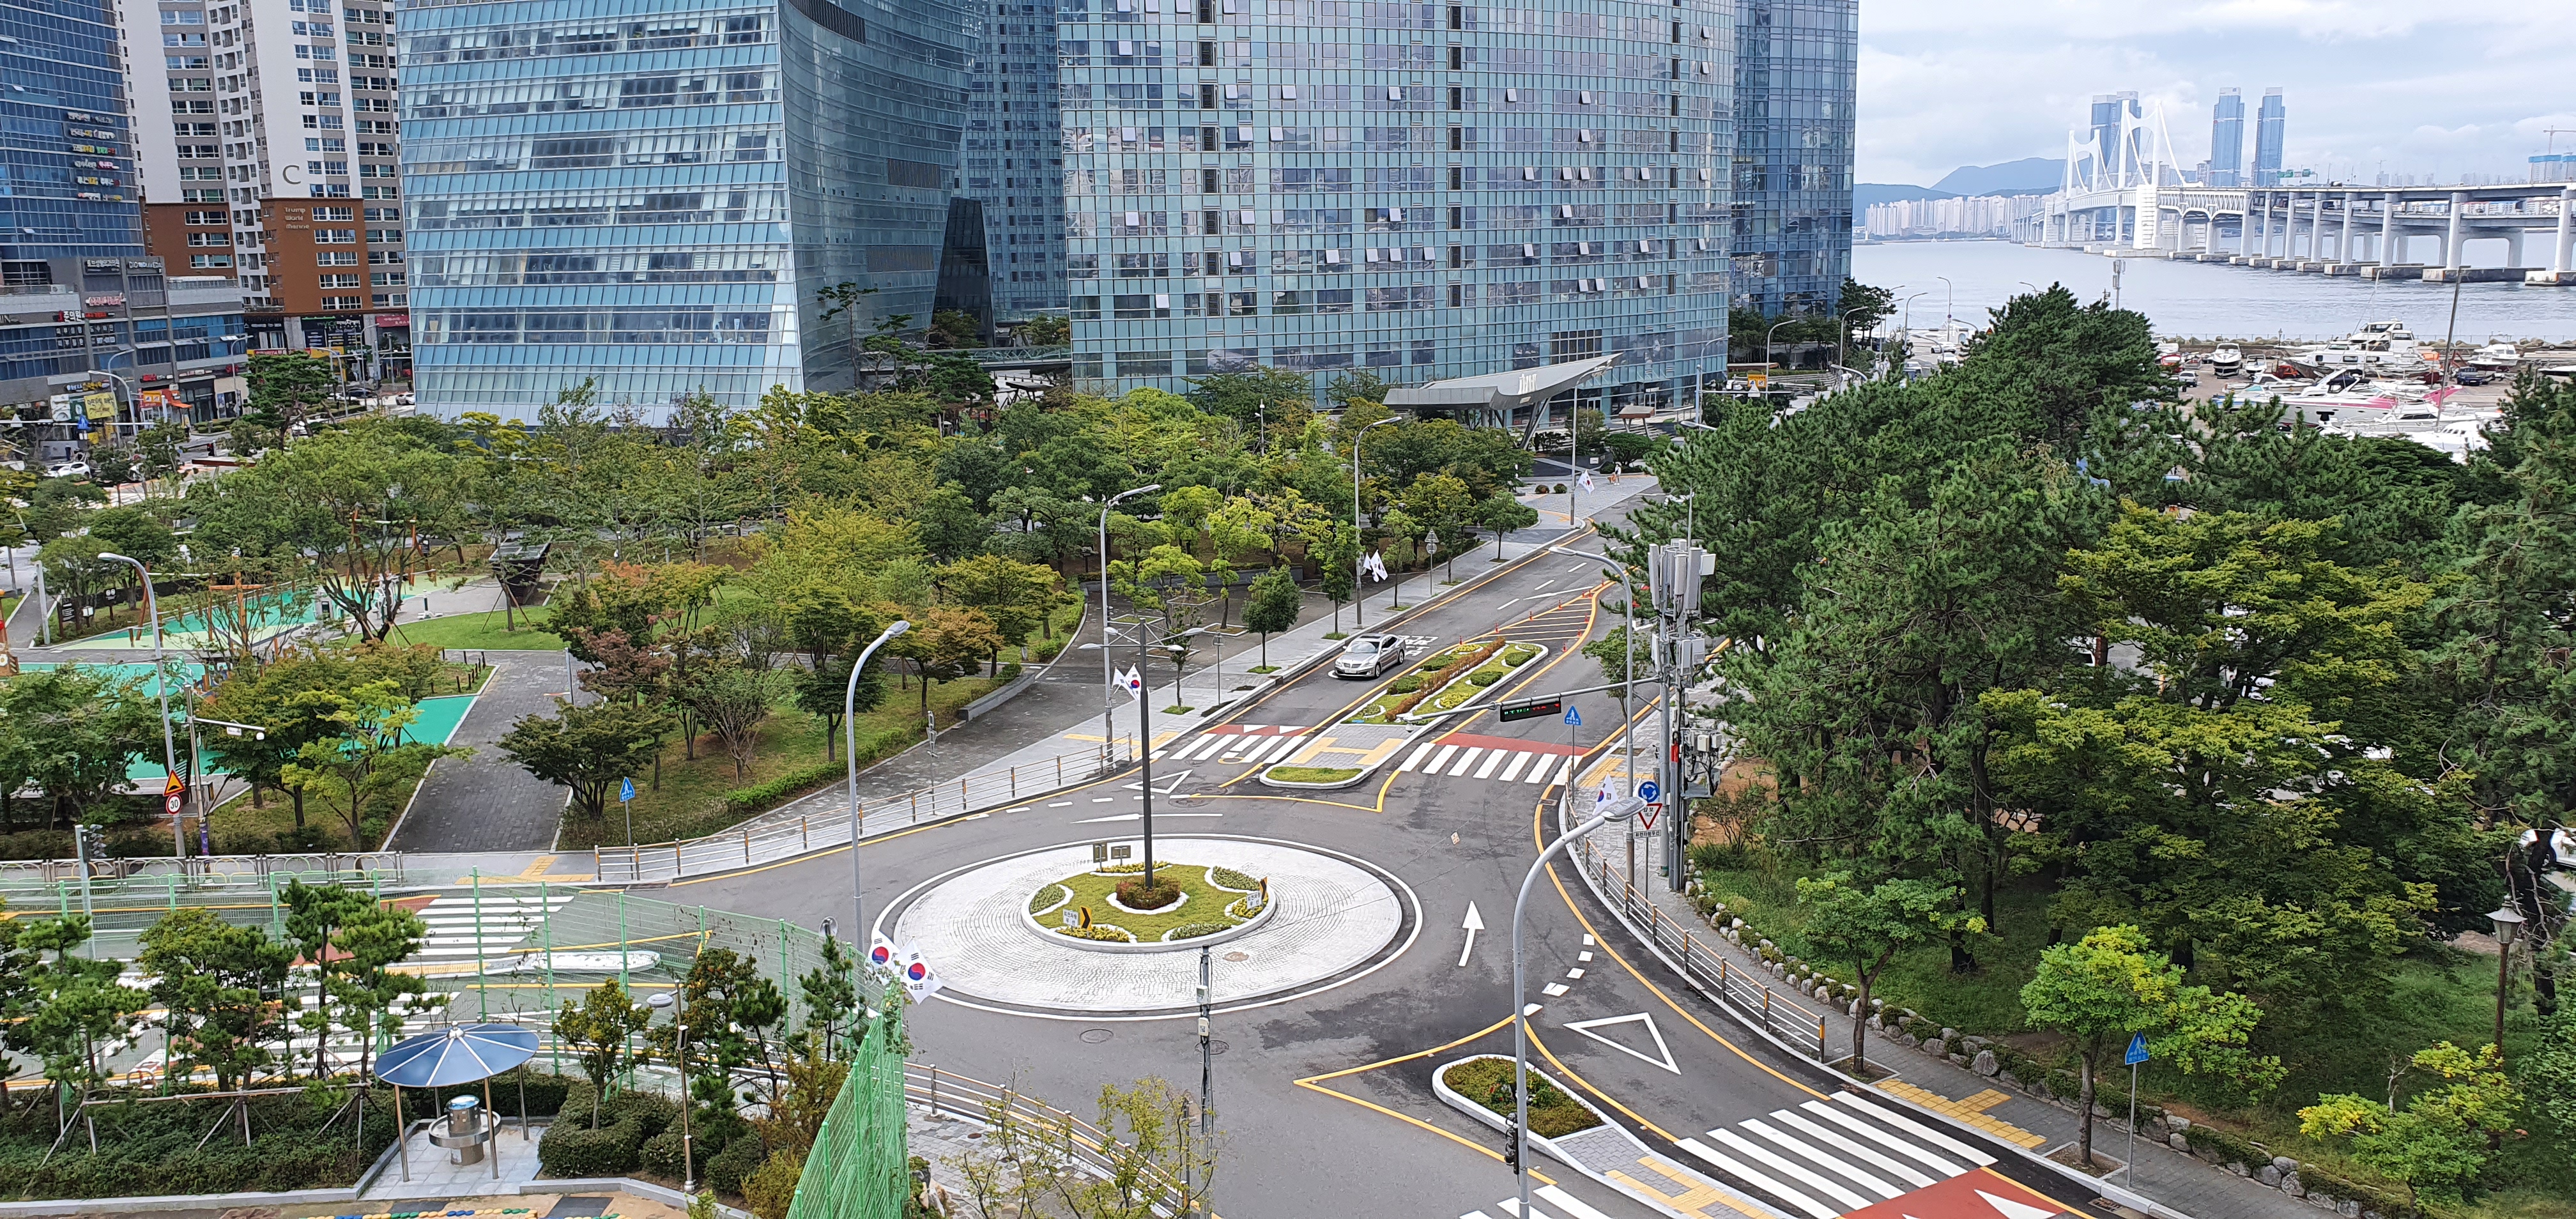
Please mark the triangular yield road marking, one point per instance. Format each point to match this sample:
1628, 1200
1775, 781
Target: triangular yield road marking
1585, 1027
2014, 1208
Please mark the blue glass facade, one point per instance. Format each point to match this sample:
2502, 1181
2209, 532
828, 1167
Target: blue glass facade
66, 143
652, 192
2271, 125
1015, 160
2227, 140
1794, 88
1420, 190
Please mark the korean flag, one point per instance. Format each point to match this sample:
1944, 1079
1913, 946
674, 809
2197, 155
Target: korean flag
1132, 682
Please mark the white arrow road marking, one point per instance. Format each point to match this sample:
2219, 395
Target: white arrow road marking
1475, 923
2014, 1208
1585, 1027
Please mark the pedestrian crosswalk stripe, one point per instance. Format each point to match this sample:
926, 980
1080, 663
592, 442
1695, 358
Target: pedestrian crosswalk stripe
1847, 1121
1893, 1167
1565, 773
1574, 1206
1919, 1130
1512, 1206
1266, 745
1519, 760
1866, 1180
1466, 760
1416, 759
1475, 1215
1206, 746
1758, 1180
1795, 1170
1490, 762
1439, 759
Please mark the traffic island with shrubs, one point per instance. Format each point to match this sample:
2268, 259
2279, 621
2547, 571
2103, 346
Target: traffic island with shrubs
1189, 902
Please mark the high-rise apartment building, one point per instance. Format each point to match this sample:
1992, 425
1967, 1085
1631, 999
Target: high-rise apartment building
268, 149
655, 198
2227, 140
1417, 190
1794, 87
2269, 125
1014, 159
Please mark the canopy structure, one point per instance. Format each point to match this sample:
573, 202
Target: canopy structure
459, 1054
1497, 398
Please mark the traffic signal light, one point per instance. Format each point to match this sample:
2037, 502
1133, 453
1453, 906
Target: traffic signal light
1511, 1145
93, 840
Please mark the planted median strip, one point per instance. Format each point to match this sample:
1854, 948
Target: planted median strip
1191, 900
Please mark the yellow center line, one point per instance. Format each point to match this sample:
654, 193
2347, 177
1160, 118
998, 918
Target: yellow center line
1314, 1083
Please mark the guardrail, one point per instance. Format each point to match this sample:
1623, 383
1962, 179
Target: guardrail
1703, 967
773, 836
974, 1099
319, 867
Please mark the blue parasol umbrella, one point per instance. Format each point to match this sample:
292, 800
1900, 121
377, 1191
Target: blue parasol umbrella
458, 1054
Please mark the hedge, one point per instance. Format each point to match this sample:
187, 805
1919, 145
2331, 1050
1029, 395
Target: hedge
739, 1159
573, 1150
152, 1149
762, 797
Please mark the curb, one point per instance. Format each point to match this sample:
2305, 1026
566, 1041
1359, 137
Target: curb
1494, 1121
1142, 947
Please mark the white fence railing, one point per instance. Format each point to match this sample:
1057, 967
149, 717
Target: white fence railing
1705, 968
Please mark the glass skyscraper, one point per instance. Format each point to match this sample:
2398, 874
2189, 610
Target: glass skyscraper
67, 186
653, 192
2227, 140
1794, 81
1418, 190
2269, 123
1015, 160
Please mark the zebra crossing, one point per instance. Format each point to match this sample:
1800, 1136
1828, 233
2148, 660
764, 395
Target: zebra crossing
1827, 1159
465, 929
1566, 1206
1495, 759
1236, 745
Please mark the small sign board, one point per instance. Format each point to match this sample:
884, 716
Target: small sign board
626, 791
1650, 791
1524, 711
1121, 851
1100, 852
2137, 1050
172, 803
1573, 718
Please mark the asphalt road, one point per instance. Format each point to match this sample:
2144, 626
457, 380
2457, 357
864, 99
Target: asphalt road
1363, 1134
484, 801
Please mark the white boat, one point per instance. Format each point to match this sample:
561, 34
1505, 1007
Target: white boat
2226, 362
2499, 355
2377, 347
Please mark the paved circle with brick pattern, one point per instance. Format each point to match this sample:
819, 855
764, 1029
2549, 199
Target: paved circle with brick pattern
1338, 918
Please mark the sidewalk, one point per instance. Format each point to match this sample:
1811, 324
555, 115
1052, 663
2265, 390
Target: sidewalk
1992, 1103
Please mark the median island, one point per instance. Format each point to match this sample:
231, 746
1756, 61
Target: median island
1111, 904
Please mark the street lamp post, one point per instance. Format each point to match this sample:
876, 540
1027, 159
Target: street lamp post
1949, 305
1145, 732
1766, 341
850, 751
1622, 809
1359, 553
1108, 734
2508, 923
1842, 336
688, 1148
160, 686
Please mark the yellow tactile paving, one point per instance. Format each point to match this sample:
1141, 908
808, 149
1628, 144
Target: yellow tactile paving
1972, 1110
1695, 1198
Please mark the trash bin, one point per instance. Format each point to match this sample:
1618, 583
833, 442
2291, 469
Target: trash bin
468, 1128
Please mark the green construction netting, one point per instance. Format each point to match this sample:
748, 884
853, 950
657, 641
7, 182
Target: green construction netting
860, 1168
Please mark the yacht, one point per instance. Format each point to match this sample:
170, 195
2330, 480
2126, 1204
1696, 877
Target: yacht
2226, 362
2499, 355
2378, 347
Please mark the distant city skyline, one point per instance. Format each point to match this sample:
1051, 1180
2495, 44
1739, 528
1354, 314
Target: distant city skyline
2376, 86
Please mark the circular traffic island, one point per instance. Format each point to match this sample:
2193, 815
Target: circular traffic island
996, 928
1109, 908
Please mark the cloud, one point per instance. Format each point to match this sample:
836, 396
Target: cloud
2371, 85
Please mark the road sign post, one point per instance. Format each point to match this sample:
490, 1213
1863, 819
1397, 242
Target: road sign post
2137, 1054
626, 799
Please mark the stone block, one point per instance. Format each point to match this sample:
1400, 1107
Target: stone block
2290, 1185
1976, 1043
2237, 1170
2285, 1164
1947, 1034
2177, 1142
1957, 1060
2271, 1176
2177, 1123
2348, 1208
1985, 1063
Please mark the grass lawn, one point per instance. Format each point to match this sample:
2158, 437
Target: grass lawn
1312, 774
2437, 993
1489, 1082
691, 799
480, 632
1204, 905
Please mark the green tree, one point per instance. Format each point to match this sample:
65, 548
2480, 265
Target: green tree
1446, 508
599, 1027
71, 1006
2101, 991
285, 388
224, 989
1867, 927
1272, 606
161, 447
945, 645
735, 1017
1864, 306
587, 749
2442, 1138
1016, 597
1046, 330
365, 980
1239, 396
366, 753
1340, 580
1505, 514
733, 699
315, 917
72, 731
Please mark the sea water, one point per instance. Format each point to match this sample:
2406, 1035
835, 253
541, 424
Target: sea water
2205, 300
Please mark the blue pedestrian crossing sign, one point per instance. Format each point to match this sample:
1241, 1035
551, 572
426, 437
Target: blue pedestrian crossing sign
1573, 718
2137, 1050
1648, 791
626, 791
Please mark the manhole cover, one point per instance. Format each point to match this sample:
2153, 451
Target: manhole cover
1095, 1036
1238, 956
1216, 1047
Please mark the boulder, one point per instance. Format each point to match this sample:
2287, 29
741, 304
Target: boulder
1976, 1043
2177, 1142
1947, 1034
2177, 1123
2271, 1176
2285, 1164
2349, 1209
2237, 1170
2290, 1185
1985, 1063
1957, 1060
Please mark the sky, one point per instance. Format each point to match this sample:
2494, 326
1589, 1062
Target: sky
2395, 86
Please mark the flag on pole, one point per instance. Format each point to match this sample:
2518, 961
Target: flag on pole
919, 980
1374, 565
1132, 682
1584, 480
881, 951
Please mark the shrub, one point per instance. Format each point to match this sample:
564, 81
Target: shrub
1228, 878
1192, 931
772, 1187
1136, 895
652, 1111
1045, 899
739, 1159
1486, 678
1719, 856
661, 1156
1313, 774
1488, 1082
1098, 931
577, 1151
1406, 684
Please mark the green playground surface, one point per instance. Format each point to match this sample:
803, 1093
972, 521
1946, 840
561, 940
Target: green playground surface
439, 715
272, 614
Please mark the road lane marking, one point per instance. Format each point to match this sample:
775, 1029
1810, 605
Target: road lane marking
1520, 758
1416, 759
1466, 760
1863, 1179
1758, 1180
1491, 761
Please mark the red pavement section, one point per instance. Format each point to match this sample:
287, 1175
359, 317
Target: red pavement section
1471, 740
1973, 1195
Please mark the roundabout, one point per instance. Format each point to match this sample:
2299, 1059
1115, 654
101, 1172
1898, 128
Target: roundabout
997, 927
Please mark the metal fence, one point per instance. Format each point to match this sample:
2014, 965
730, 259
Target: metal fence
1701, 965
1094, 1149
860, 1164
337, 867
822, 820
121, 907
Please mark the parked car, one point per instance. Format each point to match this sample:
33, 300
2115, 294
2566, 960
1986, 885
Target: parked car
2473, 376
1369, 656
67, 469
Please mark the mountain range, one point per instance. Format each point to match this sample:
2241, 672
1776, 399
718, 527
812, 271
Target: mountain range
2028, 176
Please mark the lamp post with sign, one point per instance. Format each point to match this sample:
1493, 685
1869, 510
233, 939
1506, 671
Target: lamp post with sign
160, 686
196, 751
2137, 1054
